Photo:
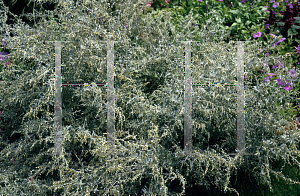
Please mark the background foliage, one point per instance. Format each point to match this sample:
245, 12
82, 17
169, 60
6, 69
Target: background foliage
243, 19
149, 158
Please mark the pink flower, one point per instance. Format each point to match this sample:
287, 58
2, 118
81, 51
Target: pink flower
258, 34
30, 179
167, 1
271, 74
148, 4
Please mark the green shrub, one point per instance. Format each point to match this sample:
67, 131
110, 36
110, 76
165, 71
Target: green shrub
149, 119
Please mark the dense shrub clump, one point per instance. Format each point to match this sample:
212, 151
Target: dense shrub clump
149, 75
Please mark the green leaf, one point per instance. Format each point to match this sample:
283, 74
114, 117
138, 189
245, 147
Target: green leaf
297, 20
247, 15
263, 9
297, 40
292, 31
234, 11
295, 27
280, 23
234, 24
248, 23
241, 5
260, 17
238, 20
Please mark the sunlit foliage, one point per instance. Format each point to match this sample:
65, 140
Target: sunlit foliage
149, 90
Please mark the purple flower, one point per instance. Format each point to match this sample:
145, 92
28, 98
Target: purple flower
298, 49
30, 179
288, 86
267, 26
126, 25
275, 5
206, 8
272, 1
273, 35
268, 79
243, 1
266, 10
220, 0
195, 24
264, 64
280, 64
290, 5
279, 82
286, 1
292, 72
275, 44
199, 0
275, 66
2, 57
282, 39
267, 54
258, 34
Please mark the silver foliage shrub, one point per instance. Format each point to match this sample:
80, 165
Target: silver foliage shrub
149, 75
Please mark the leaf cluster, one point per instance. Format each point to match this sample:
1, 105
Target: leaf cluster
149, 110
